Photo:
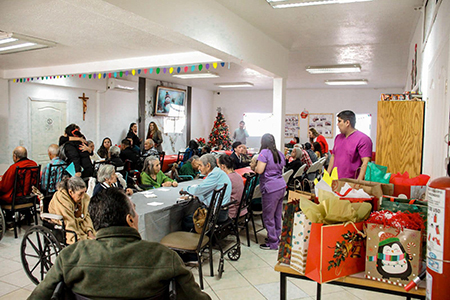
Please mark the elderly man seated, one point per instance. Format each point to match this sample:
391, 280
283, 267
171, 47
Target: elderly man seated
149, 149
127, 153
124, 266
53, 152
7, 180
107, 178
215, 179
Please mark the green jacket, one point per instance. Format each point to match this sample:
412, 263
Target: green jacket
186, 169
160, 179
118, 264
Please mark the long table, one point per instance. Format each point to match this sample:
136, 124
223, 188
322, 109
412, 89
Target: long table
357, 282
155, 222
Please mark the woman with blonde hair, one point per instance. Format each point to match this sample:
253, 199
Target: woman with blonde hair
155, 134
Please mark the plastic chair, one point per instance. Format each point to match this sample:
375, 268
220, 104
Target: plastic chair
312, 173
297, 182
22, 197
192, 242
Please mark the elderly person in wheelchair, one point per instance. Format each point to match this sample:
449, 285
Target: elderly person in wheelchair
93, 269
107, 178
71, 202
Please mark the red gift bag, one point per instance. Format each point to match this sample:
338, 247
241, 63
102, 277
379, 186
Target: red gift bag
335, 251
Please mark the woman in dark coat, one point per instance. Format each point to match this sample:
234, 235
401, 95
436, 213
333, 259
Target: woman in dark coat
132, 134
74, 154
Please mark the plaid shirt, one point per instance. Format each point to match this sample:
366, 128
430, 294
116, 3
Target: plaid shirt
45, 173
306, 160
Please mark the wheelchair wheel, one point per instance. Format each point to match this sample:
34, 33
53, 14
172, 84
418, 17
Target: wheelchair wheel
235, 253
38, 252
221, 267
2, 225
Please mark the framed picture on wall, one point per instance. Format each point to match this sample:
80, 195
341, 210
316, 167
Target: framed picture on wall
323, 123
168, 99
291, 126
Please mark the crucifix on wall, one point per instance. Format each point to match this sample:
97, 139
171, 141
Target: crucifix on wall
85, 99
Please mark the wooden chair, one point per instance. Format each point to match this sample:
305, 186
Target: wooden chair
22, 198
161, 158
191, 242
55, 173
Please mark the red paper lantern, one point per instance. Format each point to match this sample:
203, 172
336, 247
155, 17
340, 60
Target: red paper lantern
304, 114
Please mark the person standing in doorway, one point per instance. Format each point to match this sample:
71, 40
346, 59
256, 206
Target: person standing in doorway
241, 134
352, 149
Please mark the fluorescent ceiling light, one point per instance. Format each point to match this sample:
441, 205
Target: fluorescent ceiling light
234, 84
347, 82
311, 3
7, 40
334, 69
196, 75
13, 43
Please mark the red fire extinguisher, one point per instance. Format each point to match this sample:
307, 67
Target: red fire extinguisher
438, 239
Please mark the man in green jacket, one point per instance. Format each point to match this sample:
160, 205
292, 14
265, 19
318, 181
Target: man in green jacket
118, 264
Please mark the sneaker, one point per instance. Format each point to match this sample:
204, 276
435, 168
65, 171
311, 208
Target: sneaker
266, 247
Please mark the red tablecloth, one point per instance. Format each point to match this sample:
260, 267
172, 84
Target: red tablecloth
242, 171
168, 160
227, 152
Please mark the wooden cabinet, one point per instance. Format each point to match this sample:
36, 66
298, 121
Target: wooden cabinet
400, 136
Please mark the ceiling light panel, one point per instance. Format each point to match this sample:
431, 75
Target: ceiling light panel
347, 82
12, 43
334, 69
234, 84
196, 75
300, 3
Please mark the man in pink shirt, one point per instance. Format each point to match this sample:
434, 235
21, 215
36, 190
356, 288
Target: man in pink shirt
352, 149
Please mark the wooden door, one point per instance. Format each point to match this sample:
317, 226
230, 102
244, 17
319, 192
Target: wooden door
48, 121
400, 136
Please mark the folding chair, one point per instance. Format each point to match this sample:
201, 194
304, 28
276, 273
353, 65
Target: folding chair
297, 179
192, 242
22, 198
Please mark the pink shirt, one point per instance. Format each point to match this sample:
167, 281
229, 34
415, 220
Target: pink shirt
348, 152
237, 189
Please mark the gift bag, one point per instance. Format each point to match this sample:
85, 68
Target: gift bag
300, 242
377, 173
284, 249
372, 188
393, 255
413, 188
335, 251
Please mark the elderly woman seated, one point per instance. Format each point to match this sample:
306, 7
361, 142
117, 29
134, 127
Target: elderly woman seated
71, 202
294, 162
114, 157
152, 175
237, 185
107, 178
215, 179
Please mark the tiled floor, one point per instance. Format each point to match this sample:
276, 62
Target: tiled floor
251, 277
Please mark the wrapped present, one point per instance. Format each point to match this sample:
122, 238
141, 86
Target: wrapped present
393, 247
300, 242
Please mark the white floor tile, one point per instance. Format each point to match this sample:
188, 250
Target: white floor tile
229, 280
6, 288
20, 294
271, 291
243, 293
261, 275
18, 278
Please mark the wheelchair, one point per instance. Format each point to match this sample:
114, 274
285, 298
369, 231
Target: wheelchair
41, 244
2, 225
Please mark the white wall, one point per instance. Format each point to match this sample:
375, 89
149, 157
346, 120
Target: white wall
434, 75
202, 113
235, 103
109, 113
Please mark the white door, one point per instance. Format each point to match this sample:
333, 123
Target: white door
48, 120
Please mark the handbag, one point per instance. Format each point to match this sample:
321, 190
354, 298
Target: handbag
199, 218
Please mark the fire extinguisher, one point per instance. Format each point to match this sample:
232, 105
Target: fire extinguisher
438, 239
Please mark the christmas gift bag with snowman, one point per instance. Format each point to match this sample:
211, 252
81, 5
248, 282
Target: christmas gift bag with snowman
393, 253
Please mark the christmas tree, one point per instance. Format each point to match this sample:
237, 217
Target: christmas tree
219, 136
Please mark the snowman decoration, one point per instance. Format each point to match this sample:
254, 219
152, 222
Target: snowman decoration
392, 259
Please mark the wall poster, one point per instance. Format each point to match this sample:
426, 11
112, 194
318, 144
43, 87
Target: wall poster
291, 126
323, 123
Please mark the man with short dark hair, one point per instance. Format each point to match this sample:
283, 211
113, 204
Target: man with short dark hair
7, 180
118, 264
352, 149
128, 153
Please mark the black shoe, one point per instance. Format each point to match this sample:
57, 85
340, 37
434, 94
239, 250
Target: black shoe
266, 247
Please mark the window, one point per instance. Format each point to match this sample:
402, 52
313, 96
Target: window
257, 124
